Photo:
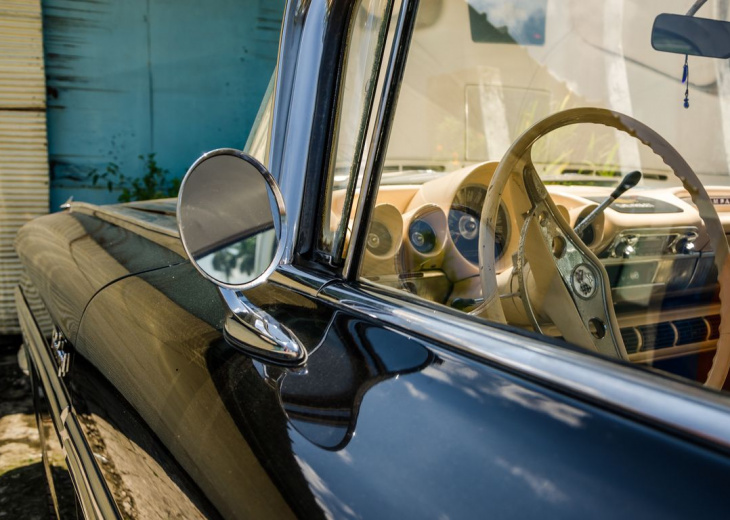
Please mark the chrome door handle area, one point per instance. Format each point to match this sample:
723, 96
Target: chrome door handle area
258, 333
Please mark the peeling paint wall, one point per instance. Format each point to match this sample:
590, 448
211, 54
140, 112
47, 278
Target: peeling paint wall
132, 77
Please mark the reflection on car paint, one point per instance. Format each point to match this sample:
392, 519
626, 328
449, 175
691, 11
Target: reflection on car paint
354, 356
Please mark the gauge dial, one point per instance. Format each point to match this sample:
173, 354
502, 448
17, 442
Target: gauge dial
422, 236
379, 240
464, 215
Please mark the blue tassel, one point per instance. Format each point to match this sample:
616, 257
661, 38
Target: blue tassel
685, 80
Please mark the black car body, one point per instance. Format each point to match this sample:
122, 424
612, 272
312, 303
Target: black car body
152, 403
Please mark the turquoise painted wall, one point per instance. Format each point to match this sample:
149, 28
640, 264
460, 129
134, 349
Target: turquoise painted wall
132, 77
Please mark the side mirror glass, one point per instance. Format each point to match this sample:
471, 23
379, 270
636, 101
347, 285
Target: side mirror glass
231, 218
691, 35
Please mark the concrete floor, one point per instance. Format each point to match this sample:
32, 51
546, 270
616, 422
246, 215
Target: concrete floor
23, 489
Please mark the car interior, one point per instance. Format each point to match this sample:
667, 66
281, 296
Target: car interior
479, 78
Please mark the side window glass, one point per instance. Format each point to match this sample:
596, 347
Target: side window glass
530, 180
366, 41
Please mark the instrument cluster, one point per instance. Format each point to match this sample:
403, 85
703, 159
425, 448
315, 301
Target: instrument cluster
426, 237
464, 219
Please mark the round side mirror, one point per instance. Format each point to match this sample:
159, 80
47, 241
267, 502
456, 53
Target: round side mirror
231, 218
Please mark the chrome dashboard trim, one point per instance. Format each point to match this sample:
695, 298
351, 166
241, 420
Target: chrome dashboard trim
673, 405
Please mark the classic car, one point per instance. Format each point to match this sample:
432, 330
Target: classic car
472, 262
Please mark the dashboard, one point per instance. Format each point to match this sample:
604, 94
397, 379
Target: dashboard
424, 239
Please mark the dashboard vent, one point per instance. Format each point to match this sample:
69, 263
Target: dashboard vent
632, 339
668, 334
714, 323
657, 336
694, 330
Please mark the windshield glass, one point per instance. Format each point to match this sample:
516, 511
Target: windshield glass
481, 72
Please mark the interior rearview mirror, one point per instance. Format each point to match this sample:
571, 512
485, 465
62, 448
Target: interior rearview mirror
231, 219
681, 34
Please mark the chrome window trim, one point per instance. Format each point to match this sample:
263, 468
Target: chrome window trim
295, 97
380, 135
289, 41
333, 256
301, 112
658, 401
259, 137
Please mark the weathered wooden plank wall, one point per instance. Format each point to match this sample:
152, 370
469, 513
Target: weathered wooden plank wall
23, 150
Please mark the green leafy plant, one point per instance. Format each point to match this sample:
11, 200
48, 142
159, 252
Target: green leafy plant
237, 258
153, 184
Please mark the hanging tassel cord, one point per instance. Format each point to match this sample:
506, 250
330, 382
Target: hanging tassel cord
685, 80
685, 70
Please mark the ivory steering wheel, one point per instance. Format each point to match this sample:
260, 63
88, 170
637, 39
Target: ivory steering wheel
571, 278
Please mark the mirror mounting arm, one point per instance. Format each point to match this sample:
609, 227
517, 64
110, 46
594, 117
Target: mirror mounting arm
259, 334
232, 223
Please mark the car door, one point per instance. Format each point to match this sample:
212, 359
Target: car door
382, 421
403, 408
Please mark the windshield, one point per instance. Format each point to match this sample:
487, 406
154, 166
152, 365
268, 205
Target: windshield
480, 72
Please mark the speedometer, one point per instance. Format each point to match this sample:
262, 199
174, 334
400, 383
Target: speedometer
464, 216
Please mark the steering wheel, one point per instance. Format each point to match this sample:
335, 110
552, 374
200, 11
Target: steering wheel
570, 279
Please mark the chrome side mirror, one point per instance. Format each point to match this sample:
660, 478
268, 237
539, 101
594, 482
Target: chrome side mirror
232, 223
231, 218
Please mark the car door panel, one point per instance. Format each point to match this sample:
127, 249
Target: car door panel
375, 412
144, 478
152, 349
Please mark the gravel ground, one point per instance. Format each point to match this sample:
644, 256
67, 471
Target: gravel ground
23, 489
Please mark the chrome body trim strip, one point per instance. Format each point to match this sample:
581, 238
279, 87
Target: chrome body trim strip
93, 494
674, 405
129, 218
298, 280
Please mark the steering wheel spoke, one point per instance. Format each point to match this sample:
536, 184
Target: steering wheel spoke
586, 316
